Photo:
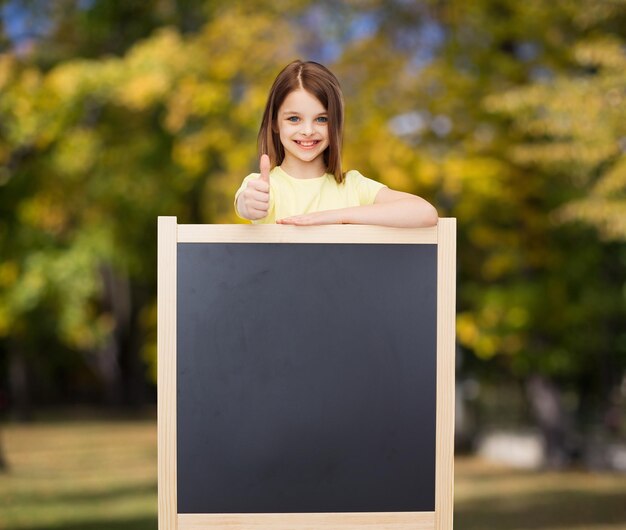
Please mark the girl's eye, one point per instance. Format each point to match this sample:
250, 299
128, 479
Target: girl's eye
322, 119
293, 119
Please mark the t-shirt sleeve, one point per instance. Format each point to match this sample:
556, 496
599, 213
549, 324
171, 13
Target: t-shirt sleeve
367, 188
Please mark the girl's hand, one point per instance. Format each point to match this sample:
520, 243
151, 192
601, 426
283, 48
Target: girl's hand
327, 217
254, 201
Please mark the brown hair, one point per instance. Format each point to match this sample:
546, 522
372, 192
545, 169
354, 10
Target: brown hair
319, 82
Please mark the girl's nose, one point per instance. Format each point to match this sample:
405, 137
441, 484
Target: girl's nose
307, 128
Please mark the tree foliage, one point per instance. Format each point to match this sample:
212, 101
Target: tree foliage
506, 115
93, 150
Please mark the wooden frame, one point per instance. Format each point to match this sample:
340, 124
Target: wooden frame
169, 235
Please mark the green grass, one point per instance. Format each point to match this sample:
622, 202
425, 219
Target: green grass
98, 474
92, 475
490, 496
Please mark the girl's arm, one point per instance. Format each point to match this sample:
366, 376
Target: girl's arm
390, 208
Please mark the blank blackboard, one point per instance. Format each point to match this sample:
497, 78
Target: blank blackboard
306, 375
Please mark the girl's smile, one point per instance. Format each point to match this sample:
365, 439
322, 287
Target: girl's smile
307, 144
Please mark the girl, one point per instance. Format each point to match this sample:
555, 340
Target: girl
301, 180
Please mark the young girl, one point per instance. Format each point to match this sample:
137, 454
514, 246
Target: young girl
301, 180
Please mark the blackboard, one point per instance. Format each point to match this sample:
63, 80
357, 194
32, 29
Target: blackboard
306, 377
306, 374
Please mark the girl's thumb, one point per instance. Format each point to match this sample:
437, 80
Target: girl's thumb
265, 168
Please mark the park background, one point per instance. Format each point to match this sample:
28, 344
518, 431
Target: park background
508, 115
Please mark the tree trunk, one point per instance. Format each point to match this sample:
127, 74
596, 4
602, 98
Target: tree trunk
133, 368
547, 408
120, 362
116, 300
19, 383
4, 465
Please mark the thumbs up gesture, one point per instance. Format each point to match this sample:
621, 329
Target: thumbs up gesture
254, 201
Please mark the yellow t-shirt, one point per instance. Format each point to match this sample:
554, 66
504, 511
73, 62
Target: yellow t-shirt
291, 196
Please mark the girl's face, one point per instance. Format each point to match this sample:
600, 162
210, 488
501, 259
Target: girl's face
303, 127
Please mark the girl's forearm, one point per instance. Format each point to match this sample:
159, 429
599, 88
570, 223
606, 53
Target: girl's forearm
403, 213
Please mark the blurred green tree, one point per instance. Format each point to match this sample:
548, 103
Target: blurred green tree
92, 151
532, 92
507, 115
